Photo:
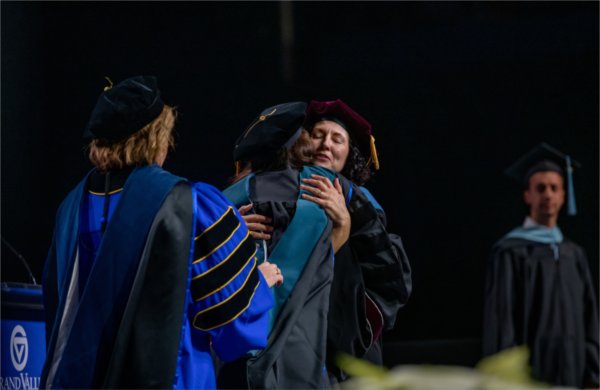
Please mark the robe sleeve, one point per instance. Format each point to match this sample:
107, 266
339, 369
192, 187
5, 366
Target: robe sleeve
231, 298
384, 264
591, 325
502, 298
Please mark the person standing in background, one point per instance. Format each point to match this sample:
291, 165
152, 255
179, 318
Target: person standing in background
539, 290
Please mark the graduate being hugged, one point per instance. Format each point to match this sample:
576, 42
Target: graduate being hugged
539, 290
371, 272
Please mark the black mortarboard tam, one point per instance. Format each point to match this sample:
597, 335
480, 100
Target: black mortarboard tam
274, 128
125, 108
545, 158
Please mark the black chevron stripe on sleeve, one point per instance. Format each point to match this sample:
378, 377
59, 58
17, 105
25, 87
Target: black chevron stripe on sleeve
211, 239
229, 309
220, 275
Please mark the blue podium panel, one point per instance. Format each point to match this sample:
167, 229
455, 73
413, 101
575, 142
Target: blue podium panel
23, 336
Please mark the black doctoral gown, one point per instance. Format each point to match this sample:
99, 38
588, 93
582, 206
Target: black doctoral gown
295, 355
372, 281
345, 307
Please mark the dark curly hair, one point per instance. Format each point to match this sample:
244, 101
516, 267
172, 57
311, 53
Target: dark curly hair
356, 168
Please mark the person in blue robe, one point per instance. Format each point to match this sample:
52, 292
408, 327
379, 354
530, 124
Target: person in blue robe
147, 272
539, 290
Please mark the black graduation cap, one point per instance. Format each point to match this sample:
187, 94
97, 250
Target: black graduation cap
274, 128
124, 109
545, 158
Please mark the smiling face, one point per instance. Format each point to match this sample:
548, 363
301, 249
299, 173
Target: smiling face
332, 145
545, 196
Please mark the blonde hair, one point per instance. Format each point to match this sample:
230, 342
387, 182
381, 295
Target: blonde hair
141, 148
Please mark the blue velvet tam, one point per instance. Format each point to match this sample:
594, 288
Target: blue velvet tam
545, 158
274, 128
124, 109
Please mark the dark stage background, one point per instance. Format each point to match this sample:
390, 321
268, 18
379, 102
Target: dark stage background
455, 93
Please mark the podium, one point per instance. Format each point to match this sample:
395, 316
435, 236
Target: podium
23, 336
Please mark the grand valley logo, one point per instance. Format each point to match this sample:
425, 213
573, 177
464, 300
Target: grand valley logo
19, 349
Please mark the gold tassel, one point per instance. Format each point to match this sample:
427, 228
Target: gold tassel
374, 154
238, 167
108, 86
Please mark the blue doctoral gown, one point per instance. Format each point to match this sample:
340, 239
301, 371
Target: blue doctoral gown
140, 305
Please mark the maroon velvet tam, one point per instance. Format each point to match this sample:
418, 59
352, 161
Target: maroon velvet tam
357, 127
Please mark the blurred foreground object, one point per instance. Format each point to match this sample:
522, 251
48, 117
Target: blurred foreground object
505, 370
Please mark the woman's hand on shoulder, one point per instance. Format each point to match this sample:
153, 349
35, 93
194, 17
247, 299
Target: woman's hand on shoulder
330, 196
